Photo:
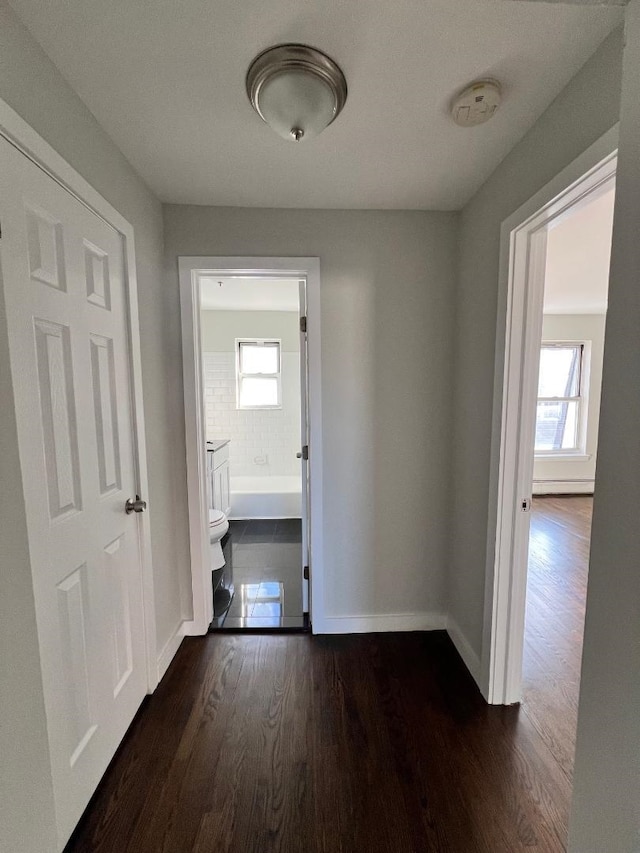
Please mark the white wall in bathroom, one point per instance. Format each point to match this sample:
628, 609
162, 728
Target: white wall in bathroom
219, 329
263, 442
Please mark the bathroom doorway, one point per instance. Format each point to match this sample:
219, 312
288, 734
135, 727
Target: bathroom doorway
254, 374
251, 371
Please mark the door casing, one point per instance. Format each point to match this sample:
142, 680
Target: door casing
522, 271
190, 270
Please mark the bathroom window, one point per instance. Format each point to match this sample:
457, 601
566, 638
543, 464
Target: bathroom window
559, 413
259, 384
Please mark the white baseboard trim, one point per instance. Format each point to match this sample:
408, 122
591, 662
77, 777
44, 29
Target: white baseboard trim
169, 651
470, 658
563, 487
191, 628
381, 622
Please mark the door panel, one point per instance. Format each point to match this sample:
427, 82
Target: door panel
106, 413
63, 278
73, 610
58, 418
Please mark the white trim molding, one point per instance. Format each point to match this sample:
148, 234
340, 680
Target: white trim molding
169, 650
562, 457
376, 623
190, 270
521, 293
195, 438
25, 139
563, 487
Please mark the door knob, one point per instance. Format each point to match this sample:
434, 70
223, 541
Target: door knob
135, 506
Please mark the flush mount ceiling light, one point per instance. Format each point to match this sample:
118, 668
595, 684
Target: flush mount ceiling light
297, 90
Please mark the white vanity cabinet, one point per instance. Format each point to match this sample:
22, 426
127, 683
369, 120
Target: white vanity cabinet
218, 471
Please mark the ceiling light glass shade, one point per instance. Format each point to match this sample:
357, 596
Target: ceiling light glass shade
296, 101
296, 90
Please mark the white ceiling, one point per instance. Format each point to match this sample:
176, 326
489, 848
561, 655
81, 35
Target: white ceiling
166, 80
248, 294
578, 254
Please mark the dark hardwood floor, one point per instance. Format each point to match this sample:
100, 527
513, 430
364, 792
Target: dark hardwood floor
374, 743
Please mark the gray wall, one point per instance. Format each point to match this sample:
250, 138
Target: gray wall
583, 112
606, 803
387, 323
35, 89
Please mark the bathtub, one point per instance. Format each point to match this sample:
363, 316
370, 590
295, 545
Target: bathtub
266, 497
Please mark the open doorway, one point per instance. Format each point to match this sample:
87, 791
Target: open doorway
554, 417
576, 278
253, 351
252, 392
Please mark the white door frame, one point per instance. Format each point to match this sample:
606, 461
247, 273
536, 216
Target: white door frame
190, 271
303, 312
23, 137
522, 273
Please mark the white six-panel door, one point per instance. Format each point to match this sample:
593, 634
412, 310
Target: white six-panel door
63, 278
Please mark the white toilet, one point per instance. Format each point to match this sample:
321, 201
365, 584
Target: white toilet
218, 526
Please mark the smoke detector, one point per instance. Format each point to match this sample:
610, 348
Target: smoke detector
477, 103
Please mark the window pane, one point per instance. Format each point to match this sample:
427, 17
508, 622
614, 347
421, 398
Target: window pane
559, 371
556, 426
256, 358
258, 392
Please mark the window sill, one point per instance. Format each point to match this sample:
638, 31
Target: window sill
258, 408
562, 457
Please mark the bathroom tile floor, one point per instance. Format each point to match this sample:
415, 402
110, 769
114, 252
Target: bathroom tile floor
266, 565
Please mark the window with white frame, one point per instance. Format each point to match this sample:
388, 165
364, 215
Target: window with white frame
559, 412
259, 383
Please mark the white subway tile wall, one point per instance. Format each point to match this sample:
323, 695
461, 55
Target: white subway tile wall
263, 442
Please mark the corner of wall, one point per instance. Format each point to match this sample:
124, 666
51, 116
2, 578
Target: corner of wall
470, 658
